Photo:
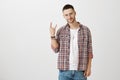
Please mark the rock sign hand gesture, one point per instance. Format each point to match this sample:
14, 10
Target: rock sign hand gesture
52, 29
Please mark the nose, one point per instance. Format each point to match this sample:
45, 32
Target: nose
69, 16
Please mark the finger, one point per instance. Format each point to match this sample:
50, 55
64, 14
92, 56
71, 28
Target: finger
55, 26
85, 73
89, 74
50, 24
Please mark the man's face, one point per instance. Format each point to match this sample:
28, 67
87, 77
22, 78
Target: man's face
69, 15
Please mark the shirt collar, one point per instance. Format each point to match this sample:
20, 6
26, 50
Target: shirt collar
67, 26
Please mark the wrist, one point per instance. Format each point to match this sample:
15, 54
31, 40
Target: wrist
52, 37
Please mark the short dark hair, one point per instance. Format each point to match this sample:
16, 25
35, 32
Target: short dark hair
67, 6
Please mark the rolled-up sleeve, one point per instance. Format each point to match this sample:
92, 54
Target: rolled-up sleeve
56, 50
90, 50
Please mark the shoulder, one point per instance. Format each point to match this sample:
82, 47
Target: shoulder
62, 28
84, 27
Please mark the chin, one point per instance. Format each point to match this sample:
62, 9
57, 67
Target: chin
70, 21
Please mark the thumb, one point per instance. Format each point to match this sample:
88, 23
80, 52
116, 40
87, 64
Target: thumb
85, 73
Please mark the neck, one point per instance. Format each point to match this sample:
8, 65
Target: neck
74, 25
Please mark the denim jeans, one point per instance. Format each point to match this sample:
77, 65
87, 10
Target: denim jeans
71, 75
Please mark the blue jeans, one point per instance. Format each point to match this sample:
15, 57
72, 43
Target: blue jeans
71, 75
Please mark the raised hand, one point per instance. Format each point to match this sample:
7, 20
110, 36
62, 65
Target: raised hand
52, 29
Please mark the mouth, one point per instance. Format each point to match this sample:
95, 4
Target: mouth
70, 20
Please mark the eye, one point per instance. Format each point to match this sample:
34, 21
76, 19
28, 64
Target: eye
66, 14
71, 13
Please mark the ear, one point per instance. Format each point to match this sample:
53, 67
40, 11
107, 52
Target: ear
75, 12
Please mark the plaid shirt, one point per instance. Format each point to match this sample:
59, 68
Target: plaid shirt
84, 47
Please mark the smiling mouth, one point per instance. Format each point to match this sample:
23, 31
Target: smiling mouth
70, 19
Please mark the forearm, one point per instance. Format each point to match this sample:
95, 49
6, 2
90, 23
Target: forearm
88, 70
54, 43
89, 63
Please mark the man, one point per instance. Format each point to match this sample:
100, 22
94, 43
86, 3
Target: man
74, 44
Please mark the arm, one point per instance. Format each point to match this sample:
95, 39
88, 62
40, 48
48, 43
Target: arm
54, 45
90, 55
88, 71
54, 42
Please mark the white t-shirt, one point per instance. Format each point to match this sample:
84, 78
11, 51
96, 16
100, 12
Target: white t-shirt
73, 58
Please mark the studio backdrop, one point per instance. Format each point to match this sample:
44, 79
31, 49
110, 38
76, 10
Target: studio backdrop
25, 50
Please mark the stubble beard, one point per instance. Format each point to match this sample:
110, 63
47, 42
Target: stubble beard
72, 21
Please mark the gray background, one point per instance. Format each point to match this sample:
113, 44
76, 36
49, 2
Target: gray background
25, 52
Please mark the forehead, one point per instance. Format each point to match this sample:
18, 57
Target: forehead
67, 11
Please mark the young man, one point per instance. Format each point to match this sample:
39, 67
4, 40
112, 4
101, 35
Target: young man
74, 44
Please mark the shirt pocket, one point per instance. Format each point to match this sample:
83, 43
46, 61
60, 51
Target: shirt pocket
64, 37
